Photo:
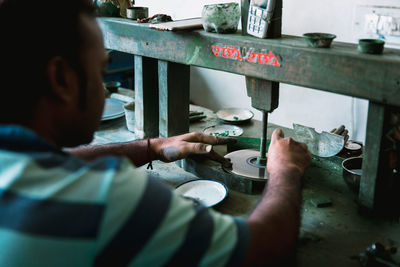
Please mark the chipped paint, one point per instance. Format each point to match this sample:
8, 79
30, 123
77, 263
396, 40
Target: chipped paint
192, 57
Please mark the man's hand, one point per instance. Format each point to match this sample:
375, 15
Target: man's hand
287, 154
181, 146
275, 222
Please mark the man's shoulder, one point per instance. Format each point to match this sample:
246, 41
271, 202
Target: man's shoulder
50, 160
52, 171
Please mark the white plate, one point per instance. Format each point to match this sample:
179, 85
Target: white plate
207, 192
223, 130
113, 108
235, 115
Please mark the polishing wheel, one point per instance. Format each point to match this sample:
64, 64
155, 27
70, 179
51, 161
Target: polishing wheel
244, 163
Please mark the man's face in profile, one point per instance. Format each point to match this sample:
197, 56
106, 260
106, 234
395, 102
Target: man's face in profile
94, 63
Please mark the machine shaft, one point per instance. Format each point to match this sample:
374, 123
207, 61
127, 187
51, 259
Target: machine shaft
262, 159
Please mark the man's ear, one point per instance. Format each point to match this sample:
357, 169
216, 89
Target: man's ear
63, 80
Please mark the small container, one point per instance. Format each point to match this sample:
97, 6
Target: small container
137, 12
221, 18
319, 39
130, 116
352, 172
353, 148
371, 46
112, 87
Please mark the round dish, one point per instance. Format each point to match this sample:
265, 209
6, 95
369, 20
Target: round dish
223, 130
113, 109
319, 39
235, 115
207, 192
244, 163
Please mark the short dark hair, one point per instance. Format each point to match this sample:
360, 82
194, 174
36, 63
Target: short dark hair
32, 32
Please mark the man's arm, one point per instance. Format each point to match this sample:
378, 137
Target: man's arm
165, 149
274, 224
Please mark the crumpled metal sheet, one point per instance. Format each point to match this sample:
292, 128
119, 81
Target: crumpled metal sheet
319, 144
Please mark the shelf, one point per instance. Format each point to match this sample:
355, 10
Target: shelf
340, 69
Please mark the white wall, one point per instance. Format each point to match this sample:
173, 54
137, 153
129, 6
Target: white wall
321, 110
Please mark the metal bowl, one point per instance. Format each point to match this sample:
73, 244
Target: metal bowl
352, 171
319, 39
371, 46
137, 12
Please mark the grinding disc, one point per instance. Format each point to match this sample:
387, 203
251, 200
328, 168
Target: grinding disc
244, 164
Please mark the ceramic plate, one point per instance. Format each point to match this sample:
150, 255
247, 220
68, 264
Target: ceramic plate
113, 109
207, 192
223, 130
235, 115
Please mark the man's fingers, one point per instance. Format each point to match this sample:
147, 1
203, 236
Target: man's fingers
195, 148
208, 139
218, 158
277, 134
172, 153
225, 140
200, 148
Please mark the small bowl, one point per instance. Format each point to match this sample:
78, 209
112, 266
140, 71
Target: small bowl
137, 12
129, 109
352, 171
235, 115
318, 39
113, 109
206, 192
221, 18
371, 46
112, 87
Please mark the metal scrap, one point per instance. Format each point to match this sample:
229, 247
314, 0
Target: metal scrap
377, 255
156, 18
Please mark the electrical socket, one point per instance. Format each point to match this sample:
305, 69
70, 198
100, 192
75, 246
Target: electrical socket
372, 21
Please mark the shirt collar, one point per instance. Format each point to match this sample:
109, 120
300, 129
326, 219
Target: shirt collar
18, 138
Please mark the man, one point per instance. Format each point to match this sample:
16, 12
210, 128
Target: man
80, 207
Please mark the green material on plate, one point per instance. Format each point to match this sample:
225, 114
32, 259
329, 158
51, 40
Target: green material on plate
226, 133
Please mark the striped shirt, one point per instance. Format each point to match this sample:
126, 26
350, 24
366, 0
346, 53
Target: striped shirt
57, 210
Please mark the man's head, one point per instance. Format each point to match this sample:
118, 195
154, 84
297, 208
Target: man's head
53, 59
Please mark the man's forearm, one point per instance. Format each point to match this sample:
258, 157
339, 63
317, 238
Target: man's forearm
137, 152
275, 221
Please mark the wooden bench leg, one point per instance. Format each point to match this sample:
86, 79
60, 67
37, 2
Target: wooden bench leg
174, 83
146, 97
380, 181
373, 144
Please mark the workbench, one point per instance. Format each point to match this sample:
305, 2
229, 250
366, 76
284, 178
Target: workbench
327, 235
162, 67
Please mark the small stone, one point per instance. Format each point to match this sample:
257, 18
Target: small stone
321, 202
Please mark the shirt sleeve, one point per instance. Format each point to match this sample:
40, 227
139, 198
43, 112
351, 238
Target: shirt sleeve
148, 224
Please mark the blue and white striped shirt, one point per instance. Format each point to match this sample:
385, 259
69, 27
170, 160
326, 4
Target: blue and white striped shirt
57, 210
